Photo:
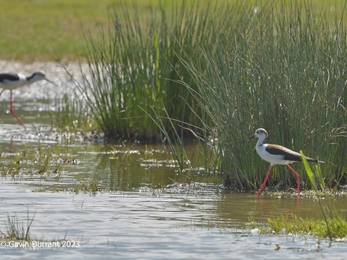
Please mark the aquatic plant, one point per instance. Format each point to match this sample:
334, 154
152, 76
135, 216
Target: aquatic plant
16, 230
72, 115
280, 67
331, 228
133, 68
336, 225
225, 72
33, 161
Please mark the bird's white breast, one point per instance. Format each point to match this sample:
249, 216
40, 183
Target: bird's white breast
10, 85
271, 158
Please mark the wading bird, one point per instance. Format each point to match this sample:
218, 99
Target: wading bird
14, 81
276, 154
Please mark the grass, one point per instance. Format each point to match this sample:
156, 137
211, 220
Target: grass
48, 30
335, 225
204, 71
294, 225
41, 30
16, 231
280, 68
223, 69
17, 235
40, 162
135, 70
72, 115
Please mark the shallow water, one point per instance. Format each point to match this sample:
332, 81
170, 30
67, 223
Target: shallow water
144, 209
142, 225
135, 220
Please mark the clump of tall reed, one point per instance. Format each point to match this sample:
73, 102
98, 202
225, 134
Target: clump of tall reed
226, 70
134, 69
281, 67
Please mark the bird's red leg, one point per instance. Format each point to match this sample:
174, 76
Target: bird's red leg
14, 114
1, 91
265, 181
297, 178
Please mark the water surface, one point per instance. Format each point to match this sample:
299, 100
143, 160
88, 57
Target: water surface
143, 208
131, 217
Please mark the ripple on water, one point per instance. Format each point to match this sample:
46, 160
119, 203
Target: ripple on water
138, 225
177, 221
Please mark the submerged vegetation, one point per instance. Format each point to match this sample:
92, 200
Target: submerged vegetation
76, 167
44, 165
39, 162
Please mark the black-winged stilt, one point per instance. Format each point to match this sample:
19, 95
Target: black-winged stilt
13, 81
276, 154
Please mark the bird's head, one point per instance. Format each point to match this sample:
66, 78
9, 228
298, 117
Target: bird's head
259, 133
39, 75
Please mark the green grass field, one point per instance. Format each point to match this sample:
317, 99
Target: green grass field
48, 30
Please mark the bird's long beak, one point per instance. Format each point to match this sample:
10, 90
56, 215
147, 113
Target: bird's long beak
248, 139
51, 82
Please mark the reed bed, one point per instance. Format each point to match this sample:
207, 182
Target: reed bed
225, 69
135, 69
281, 67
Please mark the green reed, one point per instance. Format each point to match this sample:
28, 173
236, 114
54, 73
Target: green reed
16, 230
72, 114
225, 70
281, 67
134, 68
312, 178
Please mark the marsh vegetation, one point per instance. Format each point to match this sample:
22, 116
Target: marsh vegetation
179, 72
219, 71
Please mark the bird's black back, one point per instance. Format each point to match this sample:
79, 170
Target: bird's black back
8, 76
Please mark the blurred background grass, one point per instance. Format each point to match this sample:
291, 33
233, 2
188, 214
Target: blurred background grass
39, 30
